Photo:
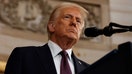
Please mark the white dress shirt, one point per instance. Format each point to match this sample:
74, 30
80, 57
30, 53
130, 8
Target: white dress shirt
55, 50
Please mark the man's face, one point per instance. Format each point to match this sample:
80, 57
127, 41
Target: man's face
69, 23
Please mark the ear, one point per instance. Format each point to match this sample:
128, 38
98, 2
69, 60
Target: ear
51, 27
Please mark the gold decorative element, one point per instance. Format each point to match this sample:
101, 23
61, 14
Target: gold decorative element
2, 66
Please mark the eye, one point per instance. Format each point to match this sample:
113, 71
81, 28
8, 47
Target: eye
67, 17
79, 21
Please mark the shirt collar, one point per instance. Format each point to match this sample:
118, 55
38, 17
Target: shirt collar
55, 49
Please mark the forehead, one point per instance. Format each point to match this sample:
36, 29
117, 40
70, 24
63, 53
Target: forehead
72, 11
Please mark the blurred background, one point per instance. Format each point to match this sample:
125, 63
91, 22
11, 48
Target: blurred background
23, 23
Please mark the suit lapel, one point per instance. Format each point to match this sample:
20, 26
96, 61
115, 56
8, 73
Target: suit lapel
77, 64
46, 59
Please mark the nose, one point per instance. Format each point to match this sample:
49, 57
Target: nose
73, 22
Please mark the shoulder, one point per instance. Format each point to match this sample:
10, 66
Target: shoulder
27, 49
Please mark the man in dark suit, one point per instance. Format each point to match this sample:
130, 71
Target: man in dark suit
64, 29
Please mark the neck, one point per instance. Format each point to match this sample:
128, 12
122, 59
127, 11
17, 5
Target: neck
64, 43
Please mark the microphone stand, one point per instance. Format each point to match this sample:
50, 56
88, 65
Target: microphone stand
109, 30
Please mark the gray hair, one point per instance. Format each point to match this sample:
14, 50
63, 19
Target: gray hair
57, 9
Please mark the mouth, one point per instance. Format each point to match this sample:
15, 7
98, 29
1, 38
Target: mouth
73, 31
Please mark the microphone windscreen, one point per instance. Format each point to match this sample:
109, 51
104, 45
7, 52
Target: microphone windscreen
91, 32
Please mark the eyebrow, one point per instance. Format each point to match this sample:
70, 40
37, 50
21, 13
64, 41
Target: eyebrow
72, 16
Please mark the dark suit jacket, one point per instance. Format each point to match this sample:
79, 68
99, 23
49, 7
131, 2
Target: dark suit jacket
36, 60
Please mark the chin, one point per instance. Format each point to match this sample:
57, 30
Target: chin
73, 37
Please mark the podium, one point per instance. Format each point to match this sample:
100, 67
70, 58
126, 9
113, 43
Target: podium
118, 61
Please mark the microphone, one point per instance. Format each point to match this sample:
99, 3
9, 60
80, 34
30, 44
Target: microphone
93, 32
107, 31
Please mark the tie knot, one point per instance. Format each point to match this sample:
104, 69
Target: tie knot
63, 53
